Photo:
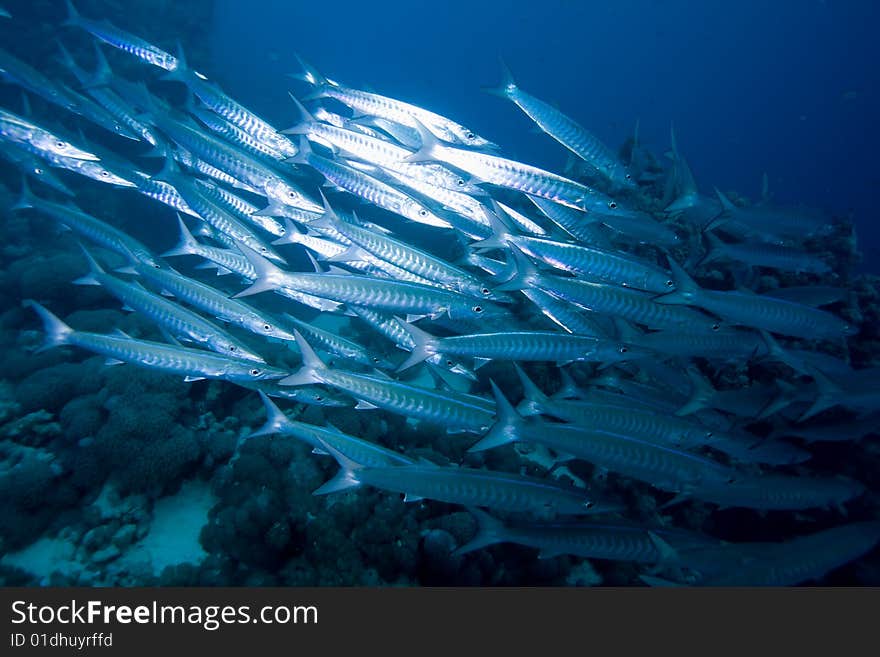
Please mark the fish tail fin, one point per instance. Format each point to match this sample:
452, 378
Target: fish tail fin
303, 151
424, 347
276, 420
312, 364
490, 530
187, 245
430, 143
57, 332
829, 395
94, 270
346, 477
701, 393
568, 388
26, 199
102, 74
534, 396
507, 424
303, 126
508, 84
714, 248
181, 72
267, 272
311, 76
521, 271
501, 232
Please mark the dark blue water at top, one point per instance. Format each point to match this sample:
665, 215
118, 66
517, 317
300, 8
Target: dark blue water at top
788, 88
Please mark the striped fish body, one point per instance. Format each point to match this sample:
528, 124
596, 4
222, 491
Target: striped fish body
666, 468
780, 492
572, 135
632, 305
213, 301
482, 488
174, 360
455, 411
176, 319
607, 266
375, 191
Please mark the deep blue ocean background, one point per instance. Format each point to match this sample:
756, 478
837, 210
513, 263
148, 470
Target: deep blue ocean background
788, 88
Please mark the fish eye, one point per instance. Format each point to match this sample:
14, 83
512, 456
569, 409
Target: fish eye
291, 194
105, 174
716, 326
60, 144
282, 230
612, 205
731, 480
470, 136
460, 182
629, 177
449, 363
255, 372
232, 347
670, 283
319, 398
477, 309
623, 349
267, 327
423, 213
263, 249
589, 505
485, 290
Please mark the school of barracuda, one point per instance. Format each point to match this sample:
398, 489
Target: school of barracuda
423, 236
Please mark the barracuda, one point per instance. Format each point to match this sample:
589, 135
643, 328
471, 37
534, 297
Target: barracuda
374, 151
193, 364
664, 467
390, 109
18, 72
214, 214
37, 140
108, 33
89, 227
32, 166
235, 113
502, 171
370, 189
756, 311
467, 486
457, 412
519, 346
235, 162
175, 319
404, 256
213, 301
591, 540
382, 294
608, 266
241, 208
363, 451
566, 131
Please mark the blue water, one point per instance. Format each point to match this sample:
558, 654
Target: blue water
788, 88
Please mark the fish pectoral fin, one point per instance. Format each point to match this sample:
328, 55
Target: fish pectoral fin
190, 379
364, 405
113, 361
409, 497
